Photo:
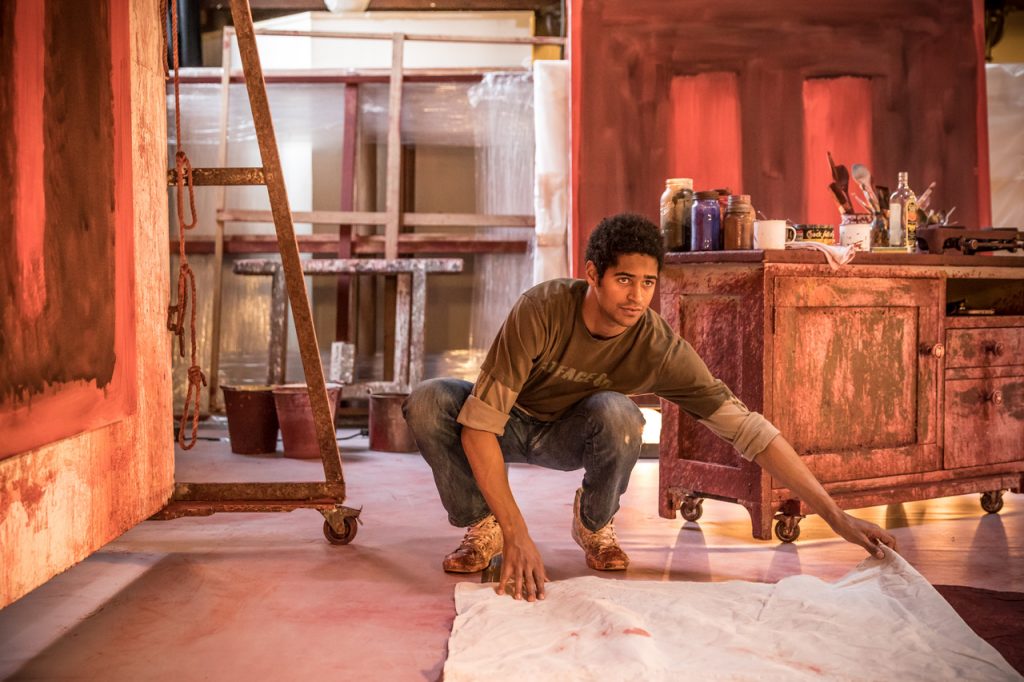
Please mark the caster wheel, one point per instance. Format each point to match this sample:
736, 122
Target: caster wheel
344, 537
992, 501
692, 508
787, 528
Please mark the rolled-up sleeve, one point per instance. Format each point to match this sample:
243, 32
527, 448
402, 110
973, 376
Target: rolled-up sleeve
505, 369
748, 432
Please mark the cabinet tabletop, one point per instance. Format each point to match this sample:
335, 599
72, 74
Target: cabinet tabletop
802, 256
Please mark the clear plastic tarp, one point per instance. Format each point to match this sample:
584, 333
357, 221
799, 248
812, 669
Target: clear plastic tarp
1005, 84
492, 121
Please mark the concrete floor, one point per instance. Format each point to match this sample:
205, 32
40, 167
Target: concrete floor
263, 596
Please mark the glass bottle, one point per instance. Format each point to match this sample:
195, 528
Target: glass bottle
738, 223
903, 215
706, 222
676, 204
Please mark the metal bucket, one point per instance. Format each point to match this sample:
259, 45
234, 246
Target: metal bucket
388, 430
252, 419
298, 432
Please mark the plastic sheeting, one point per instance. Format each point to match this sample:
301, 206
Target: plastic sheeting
309, 125
882, 621
495, 117
1005, 84
503, 107
551, 85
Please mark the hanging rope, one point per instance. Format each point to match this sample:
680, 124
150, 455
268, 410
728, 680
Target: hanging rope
186, 278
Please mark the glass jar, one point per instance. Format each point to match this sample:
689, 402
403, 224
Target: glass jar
706, 222
676, 203
738, 223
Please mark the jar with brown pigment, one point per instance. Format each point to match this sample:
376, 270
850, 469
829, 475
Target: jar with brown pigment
738, 225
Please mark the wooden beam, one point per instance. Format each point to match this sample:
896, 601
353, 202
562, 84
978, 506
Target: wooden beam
348, 194
440, 75
422, 37
421, 243
380, 218
393, 224
218, 238
459, 5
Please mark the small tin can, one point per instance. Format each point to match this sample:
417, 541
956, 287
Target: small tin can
824, 234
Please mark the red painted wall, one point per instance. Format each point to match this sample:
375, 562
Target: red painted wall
67, 362
923, 60
100, 208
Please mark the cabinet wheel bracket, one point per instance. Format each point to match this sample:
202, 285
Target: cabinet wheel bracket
992, 501
692, 507
787, 526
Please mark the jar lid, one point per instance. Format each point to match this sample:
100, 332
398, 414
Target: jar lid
686, 183
709, 194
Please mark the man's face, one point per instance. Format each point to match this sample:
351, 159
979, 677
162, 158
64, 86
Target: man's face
625, 291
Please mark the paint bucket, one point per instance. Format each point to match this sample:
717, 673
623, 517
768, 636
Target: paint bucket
388, 429
295, 414
252, 419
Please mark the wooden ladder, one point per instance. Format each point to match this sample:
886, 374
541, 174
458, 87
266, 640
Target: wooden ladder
201, 499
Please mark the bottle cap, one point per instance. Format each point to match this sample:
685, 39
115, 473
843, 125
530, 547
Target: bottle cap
685, 183
708, 194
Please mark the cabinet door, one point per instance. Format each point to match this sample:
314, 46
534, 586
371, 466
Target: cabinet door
852, 389
984, 419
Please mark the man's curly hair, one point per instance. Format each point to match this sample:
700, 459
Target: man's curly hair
621, 234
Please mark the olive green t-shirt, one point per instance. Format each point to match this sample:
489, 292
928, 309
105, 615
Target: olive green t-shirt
544, 360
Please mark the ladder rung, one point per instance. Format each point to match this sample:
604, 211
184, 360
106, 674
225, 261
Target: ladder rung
221, 176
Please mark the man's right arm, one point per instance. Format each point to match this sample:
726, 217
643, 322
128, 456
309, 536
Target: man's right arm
521, 562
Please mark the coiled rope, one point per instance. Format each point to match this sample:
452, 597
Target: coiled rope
186, 278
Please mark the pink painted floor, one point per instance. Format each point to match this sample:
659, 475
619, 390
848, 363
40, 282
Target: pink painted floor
264, 597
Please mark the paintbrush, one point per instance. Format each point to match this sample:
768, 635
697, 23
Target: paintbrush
862, 176
841, 198
922, 202
867, 205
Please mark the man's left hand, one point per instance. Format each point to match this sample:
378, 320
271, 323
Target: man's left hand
863, 533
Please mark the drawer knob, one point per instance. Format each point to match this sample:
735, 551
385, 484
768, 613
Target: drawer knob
936, 350
995, 397
995, 348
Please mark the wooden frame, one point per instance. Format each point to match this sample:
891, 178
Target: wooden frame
392, 218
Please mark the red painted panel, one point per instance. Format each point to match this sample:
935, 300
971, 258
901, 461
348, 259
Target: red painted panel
67, 329
577, 237
983, 169
837, 118
705, 142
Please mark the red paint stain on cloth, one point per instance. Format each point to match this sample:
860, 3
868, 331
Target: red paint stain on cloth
636, 631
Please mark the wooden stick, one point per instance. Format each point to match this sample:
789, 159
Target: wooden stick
218, 238
492, 40
394, 170
381, 218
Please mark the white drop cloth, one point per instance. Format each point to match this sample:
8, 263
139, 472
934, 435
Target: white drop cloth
882, 621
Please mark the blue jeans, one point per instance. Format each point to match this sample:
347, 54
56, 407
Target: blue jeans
600, 434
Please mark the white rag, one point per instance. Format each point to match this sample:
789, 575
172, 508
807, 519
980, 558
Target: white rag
835, 254
882, 621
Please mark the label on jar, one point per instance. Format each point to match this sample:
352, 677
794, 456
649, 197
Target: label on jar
895, 224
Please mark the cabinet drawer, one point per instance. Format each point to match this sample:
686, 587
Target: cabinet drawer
984, 420
995, 347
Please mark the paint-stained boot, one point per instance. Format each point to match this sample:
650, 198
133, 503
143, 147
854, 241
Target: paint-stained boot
601, 547
482, 541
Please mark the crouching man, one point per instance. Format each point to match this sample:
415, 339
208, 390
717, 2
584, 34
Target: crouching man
553, 392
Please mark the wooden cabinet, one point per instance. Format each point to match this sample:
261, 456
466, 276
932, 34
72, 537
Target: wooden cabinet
885, 396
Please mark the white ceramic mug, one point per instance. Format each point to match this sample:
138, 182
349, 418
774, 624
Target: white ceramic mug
772, 234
